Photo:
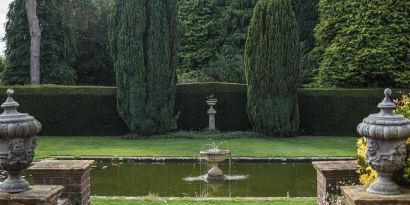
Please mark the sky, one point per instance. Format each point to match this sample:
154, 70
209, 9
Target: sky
4, 6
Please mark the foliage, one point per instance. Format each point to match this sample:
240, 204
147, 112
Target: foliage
143, 46
2, 65
93, 62
363, 43
272, 67
214, 51
320, 110
197, 43
367, 174
57, 45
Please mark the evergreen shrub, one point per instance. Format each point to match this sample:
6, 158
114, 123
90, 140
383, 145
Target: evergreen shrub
272, 68
143, 46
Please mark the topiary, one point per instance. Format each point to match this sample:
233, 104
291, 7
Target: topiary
272, 68
143, 46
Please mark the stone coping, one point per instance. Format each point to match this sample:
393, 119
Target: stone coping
37, 193
202, 198
335, 165
61, 165
195, 159
357, 195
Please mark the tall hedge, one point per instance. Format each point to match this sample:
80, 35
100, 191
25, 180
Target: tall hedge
364, 43
57, 46
143, 46
272, 67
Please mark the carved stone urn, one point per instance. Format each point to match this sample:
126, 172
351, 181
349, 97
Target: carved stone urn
17, 143
386, 135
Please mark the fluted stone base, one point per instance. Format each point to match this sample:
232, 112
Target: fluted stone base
384, 185
14, 184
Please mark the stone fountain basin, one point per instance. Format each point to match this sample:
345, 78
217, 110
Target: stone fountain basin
215, 155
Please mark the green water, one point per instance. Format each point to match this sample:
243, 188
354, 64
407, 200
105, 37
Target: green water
166, 179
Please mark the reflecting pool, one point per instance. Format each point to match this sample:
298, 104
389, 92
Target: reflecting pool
166, 179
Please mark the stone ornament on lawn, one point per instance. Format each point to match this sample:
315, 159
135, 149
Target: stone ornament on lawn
211, 101
386, 136
17, 143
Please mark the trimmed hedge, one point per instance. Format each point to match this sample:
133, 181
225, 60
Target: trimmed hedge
73, 111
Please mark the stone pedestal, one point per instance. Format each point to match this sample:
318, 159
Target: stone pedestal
357, 195
37, 195
331, 175
74, 175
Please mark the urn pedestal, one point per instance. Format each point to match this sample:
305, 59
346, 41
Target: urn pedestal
17, 143
386, 136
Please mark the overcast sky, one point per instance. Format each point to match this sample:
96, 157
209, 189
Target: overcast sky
4, 6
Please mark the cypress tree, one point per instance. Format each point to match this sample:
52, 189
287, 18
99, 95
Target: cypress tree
143, 45
272, 68
57, 50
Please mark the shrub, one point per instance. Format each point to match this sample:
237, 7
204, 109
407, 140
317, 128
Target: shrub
367, 174
272, 68
363, 43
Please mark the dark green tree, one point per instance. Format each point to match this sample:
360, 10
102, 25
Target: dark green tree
57, 45
364, 43
198, 30
93, 62
272, 68
143, 45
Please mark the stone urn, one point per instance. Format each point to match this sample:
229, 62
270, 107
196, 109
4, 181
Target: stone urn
215, 156
386, 136
17, 143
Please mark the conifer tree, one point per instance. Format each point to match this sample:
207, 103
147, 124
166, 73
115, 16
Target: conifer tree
143, 45
57, 50
272, 68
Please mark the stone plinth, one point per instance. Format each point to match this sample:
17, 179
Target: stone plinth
357, 195
331, 175
74, 175
37, 195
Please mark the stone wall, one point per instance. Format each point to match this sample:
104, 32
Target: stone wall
331, 175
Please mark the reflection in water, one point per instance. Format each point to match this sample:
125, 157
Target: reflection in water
166, 179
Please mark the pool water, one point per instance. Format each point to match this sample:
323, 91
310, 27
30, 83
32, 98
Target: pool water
166, 179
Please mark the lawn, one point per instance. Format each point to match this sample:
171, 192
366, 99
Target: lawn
290, 201
185, 144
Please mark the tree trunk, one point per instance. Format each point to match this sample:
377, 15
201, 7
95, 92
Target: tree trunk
35, 33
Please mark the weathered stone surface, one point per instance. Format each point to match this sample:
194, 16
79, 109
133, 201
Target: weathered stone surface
37, 195
61, 165
357, 195
74, 175
331, 175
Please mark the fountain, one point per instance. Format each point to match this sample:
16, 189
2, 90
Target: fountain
215, 156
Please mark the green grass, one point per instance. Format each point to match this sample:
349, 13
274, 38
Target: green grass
185, 144
193, 202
